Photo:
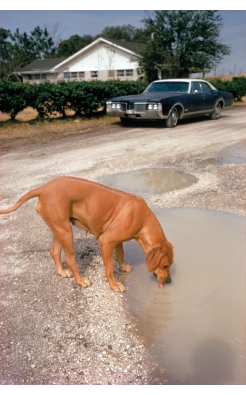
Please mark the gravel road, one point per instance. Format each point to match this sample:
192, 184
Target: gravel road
53, 332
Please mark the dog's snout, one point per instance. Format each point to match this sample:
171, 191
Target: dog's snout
168, 280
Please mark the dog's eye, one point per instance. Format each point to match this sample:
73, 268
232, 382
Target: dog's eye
165, 267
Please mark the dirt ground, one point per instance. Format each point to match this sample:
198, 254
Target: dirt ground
53, 332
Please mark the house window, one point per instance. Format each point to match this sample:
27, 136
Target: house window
94, 74
129, 73
125, 73
74, 75
37, 76
120, 73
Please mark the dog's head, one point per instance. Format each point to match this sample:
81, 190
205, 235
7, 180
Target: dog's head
159, 260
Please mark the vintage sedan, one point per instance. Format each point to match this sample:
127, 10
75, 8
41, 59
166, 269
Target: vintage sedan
171, 100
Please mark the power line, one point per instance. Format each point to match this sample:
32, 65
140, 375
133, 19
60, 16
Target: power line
243, 45
234, 35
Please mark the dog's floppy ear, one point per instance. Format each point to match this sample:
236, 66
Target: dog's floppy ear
153, 258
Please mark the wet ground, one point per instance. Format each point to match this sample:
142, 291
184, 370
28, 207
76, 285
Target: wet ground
234, 155
195, 328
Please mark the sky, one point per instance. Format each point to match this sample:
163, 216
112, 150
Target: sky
81, 22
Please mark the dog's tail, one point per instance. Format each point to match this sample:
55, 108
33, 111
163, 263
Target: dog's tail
29, 195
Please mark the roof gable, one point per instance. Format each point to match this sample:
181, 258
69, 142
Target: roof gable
130, 47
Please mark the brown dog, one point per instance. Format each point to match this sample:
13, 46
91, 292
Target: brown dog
110, 215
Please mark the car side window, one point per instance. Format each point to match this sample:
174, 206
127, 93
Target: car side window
205, 88
195, 86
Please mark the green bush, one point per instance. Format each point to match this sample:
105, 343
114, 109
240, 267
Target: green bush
84, 98
13, 98
40, 97
237, 86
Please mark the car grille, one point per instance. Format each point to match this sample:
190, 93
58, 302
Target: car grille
139, 107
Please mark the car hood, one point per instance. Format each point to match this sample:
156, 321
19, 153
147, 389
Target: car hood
152, 96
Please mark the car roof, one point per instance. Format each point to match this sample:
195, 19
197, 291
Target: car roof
181, 80
185, 80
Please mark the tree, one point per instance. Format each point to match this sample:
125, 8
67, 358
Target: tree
181, 42
73, 44
124, 32
17, 50
41, 44
4, 49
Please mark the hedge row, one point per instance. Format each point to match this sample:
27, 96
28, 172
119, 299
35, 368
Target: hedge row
51, 99
83, 97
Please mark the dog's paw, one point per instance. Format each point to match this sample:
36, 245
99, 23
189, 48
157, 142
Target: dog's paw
117, 287
126, 268
65, 273
84, 283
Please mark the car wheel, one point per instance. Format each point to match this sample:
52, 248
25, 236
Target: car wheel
172, 120
217, 111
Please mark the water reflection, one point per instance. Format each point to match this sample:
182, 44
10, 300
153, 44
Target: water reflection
215, 359
195, 327
148, 180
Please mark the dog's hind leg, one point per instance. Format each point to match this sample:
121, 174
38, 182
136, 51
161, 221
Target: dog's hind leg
55, 252
119, 256
107, 250
64, 239
60, 225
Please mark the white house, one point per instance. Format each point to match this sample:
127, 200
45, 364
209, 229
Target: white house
103, 59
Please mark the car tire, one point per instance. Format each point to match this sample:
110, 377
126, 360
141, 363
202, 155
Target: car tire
217, 112
173, 118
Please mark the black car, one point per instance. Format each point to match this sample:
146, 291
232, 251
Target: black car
171, 100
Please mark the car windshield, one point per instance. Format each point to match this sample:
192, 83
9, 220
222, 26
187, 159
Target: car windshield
170, 86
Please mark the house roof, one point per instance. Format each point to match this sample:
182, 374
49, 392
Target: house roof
42, 64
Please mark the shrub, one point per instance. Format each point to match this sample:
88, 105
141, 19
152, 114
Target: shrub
237, 86
12, 97
48, 99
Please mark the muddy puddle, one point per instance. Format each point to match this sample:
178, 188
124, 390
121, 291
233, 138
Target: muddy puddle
195, 327
148, 181
236, 154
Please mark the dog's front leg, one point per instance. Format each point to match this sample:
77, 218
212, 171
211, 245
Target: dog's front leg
107, 255
119, 257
